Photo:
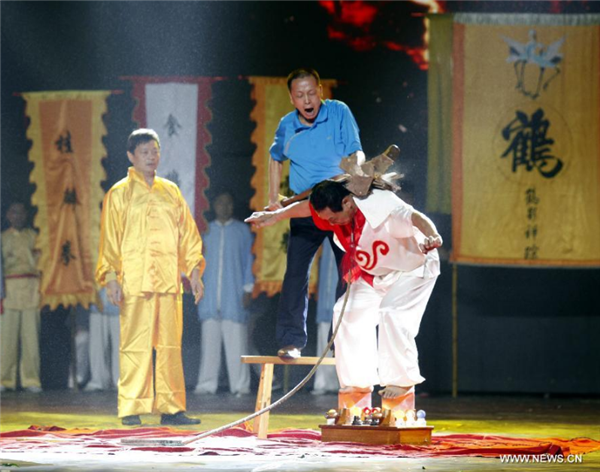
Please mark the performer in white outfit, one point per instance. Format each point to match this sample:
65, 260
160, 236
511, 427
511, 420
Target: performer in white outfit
227, 294
392, 293
392, 263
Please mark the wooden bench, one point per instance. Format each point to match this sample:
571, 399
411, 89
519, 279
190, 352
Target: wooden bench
263, 398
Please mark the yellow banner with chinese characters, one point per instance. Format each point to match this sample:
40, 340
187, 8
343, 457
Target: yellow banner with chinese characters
270, 246
526, 153
66, 131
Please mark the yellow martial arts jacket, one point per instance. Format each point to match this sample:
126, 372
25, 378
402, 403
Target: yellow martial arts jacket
148, 237
20, 269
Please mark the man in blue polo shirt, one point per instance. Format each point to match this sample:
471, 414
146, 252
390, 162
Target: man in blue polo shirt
315, 137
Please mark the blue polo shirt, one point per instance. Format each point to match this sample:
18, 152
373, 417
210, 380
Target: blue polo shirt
315, 151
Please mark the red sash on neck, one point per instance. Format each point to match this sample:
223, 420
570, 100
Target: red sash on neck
348, 235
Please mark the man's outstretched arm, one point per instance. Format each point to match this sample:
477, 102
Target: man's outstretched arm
260, 219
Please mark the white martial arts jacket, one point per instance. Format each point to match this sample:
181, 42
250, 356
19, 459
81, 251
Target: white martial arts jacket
388, 241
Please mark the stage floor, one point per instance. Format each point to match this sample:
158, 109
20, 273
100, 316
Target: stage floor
528, 417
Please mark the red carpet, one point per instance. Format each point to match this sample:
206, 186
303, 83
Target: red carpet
239, 441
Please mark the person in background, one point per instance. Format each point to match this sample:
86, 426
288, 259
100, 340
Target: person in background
82, 347
20, 323
326, 379
104, 345
223, 311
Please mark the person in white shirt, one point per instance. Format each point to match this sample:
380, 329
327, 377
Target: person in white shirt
228, 285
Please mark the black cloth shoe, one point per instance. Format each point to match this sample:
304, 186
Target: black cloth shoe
178, 419
132, 420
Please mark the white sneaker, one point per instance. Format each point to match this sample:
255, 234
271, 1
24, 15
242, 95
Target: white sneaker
2, 388
201, 391
92, 388
33, 389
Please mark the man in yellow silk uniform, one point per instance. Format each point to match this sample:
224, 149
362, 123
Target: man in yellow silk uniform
148, 240
21, 319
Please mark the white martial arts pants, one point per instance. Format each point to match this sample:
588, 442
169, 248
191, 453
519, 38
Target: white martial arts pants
235, 337
82, 348
104, 351
396, 304
326, 377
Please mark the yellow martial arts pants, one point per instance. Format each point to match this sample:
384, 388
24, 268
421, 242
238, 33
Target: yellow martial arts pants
20, 327
151, 322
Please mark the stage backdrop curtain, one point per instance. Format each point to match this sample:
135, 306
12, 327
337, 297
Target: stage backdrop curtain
439, 95
177, 109
66, 131
272, 102
526, 146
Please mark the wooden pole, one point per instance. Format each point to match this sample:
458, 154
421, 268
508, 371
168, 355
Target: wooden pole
73, 319
454, 330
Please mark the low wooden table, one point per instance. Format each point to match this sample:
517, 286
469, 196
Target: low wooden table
265, 387
420, 435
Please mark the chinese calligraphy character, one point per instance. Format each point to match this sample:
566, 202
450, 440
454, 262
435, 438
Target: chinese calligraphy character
70, 197
63, 143
530, 196
531, 232
531, 252
172, 125
530, 146
66, 254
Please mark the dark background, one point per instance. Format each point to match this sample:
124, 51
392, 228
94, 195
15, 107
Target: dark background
520, 330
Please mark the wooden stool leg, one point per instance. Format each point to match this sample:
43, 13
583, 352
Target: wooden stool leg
263, 399
286, 378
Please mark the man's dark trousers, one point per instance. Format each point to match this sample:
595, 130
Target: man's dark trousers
304, 241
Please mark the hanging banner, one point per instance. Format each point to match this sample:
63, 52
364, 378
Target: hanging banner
526, 153
439, 115
272, 100
66, 131
177, 109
